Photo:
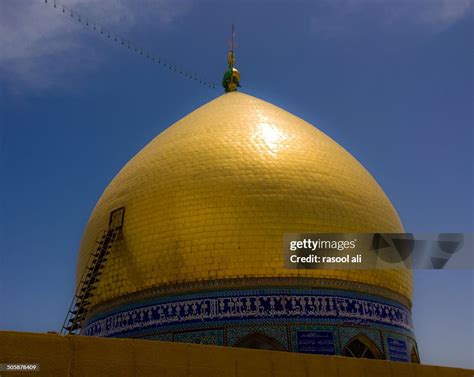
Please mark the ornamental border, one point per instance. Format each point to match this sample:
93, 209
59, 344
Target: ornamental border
247, 306
250, 283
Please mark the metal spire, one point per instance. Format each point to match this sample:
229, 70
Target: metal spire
231, 79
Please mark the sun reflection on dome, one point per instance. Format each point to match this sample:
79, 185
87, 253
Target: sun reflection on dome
270, 137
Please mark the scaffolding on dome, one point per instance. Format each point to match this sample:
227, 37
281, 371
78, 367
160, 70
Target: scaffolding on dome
87, 286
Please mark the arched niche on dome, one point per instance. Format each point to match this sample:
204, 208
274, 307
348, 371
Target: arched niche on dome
361, 346
414, 358
259, 341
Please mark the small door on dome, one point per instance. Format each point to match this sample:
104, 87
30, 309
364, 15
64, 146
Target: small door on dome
116, 217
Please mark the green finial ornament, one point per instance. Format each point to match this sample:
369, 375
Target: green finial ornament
231, 79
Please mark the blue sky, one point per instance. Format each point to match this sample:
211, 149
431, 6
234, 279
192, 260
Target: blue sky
390, 81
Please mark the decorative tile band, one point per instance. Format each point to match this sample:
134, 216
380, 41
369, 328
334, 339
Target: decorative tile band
249, 283
241, 307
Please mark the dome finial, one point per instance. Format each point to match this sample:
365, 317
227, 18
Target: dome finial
231, 79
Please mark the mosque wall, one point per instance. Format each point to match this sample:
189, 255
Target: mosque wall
74, 356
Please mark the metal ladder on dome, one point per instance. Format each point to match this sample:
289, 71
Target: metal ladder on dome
85, 290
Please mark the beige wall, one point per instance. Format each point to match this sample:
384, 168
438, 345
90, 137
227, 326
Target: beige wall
64, 356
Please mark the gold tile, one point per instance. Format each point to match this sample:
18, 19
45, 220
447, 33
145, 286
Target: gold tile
212, 195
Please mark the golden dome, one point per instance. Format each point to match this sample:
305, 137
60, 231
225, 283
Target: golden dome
211, 197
